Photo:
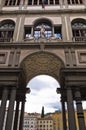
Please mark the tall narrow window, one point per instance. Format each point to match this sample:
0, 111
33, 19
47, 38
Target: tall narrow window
35, 2
51, 2
57, 2
27, 33
29, 2
57, 32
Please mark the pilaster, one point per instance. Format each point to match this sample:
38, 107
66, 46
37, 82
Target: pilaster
1, 4
64, 35
21, 29
16, 30
69, 27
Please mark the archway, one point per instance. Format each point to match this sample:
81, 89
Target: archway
43, 93
41, 63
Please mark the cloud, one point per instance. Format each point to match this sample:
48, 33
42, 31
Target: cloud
43, 93
56, 105
42, 82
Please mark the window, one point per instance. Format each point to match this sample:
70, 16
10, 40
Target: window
79, 29
41, 27
7, 30
27, 32
57, 32
12, 2
39, 2
74, 2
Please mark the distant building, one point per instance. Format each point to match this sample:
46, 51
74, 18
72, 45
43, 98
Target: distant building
57, 119
45, 123
30, 122
51, 121
33, 121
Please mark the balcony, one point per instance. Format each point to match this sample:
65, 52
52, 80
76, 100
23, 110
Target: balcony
79, 39
5, 39
40, 39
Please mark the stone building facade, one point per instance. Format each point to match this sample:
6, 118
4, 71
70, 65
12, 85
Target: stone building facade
59, 51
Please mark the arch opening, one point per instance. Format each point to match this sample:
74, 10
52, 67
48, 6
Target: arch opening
43, 93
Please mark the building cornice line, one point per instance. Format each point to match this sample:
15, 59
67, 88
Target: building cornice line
63, 11
46, 45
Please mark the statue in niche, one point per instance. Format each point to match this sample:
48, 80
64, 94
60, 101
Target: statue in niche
42, 31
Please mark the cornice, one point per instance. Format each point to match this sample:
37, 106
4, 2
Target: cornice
10, 70
53, 45
75, 70
24, 12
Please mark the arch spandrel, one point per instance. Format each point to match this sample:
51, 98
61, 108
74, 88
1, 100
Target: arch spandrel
41, 63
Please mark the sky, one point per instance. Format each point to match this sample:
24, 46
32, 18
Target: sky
43, 93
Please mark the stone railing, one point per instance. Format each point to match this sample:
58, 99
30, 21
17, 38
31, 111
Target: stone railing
79, 39
6, 40
40, 39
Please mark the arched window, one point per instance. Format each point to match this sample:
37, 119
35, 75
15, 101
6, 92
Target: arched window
6, 30
40, 26
79, 29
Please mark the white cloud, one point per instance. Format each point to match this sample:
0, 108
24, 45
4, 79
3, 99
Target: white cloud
43, 93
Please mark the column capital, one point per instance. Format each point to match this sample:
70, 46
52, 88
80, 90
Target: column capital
77, 94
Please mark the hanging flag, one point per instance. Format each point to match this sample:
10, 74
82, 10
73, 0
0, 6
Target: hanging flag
43, 3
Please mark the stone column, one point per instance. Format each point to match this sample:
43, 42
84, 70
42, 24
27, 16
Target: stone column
16, 116
71, 113
80, 114
22, 115
3, 107
10, 110
63, 113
